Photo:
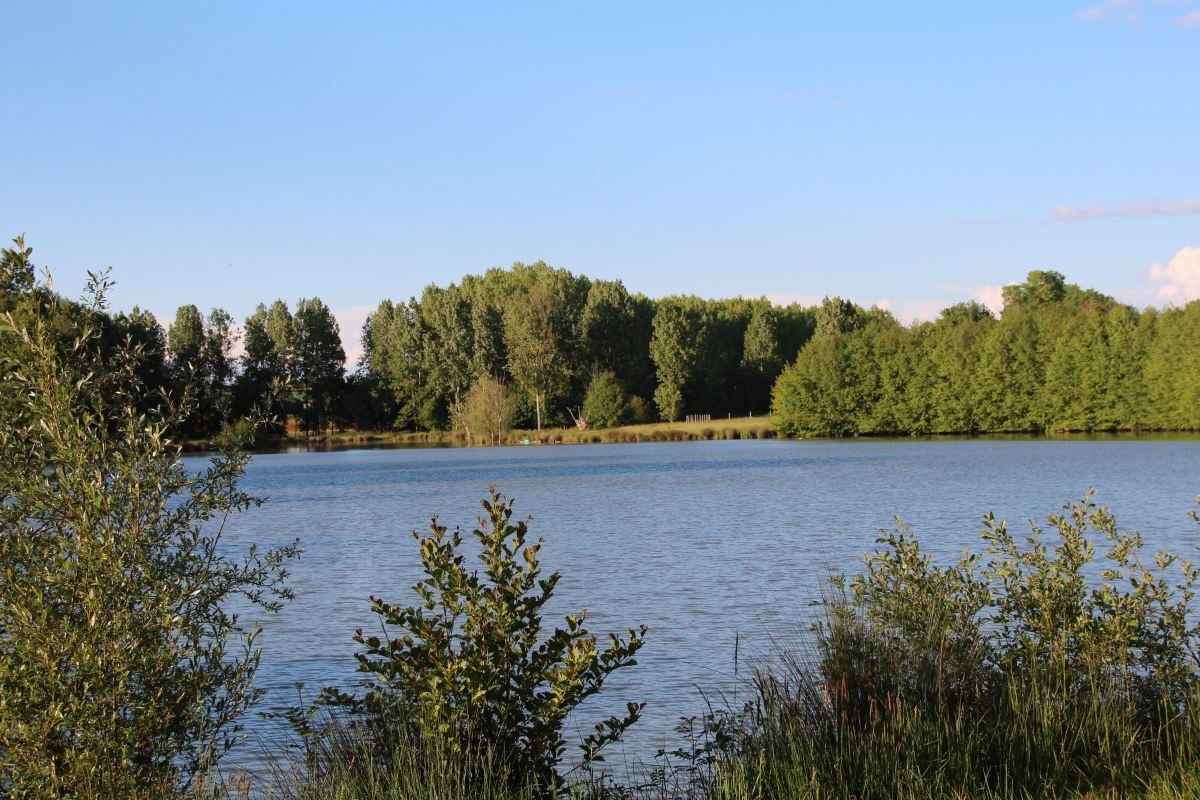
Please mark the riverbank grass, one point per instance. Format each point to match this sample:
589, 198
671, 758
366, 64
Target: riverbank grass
733, 428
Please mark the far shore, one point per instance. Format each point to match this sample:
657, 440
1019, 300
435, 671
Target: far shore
729, 429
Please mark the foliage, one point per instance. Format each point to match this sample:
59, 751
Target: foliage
120, 673
535, 354
533, 324
607, 404
470, 665
317, 360
201, 361
490, 409
1058, 358
1005, 674
17, 273
348, 761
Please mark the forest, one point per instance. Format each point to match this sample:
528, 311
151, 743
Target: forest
1058, 358
532, 346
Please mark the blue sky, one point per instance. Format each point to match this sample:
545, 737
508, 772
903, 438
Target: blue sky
231, 153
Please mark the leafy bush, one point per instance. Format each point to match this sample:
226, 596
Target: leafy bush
607, 404
469, 666
1006, 677
120, 674
489, 410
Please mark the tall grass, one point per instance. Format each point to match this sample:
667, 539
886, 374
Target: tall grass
1006, 679
350, 762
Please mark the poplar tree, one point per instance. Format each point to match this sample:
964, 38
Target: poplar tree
535, 353
318, 360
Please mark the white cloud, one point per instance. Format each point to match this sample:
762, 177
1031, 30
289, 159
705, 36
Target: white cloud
350, 322
1073, 213
1104, 12
1144, 208
1126, 11
1180, 278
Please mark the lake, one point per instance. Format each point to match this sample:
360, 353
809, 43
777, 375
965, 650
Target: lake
701, 541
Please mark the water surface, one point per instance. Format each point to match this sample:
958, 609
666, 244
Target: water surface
701, 541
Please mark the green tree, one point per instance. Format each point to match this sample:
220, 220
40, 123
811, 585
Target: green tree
490, 408
536, 357
609, 328
761, 360
220, 339
318, 360
836, 315
607, 404
678, 338
262, 363
185, 339
121, 672
280, 325
394, 352
449, 350
200, 361
760, 351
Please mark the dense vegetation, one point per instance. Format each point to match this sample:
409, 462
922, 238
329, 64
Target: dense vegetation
532, 347
121, 674
1058, 358
565, 348
1012, 673
1006, 674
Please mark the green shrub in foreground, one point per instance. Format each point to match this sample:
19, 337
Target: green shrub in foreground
470, 667
120, 674
1005, 677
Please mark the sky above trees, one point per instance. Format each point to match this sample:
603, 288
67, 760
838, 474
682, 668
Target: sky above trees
914, 155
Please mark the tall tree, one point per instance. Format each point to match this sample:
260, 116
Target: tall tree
394, 353
608, 327
262, 363
678, 339
220, 339
535, 347
185, 338
449, 348
318, 360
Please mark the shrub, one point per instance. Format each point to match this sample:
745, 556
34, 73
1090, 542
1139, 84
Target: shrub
489, 410
640, 412
470, 667
606, 404
1006, 677
120, 673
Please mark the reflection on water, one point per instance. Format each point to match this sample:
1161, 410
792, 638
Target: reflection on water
701, 541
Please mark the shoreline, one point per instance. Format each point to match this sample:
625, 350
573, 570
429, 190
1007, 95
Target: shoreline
738, 428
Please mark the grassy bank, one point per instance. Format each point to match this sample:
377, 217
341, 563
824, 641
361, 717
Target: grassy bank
735, 428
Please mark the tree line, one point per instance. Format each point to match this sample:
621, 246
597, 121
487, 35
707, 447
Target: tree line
1058, 358
533, 346
193, 357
